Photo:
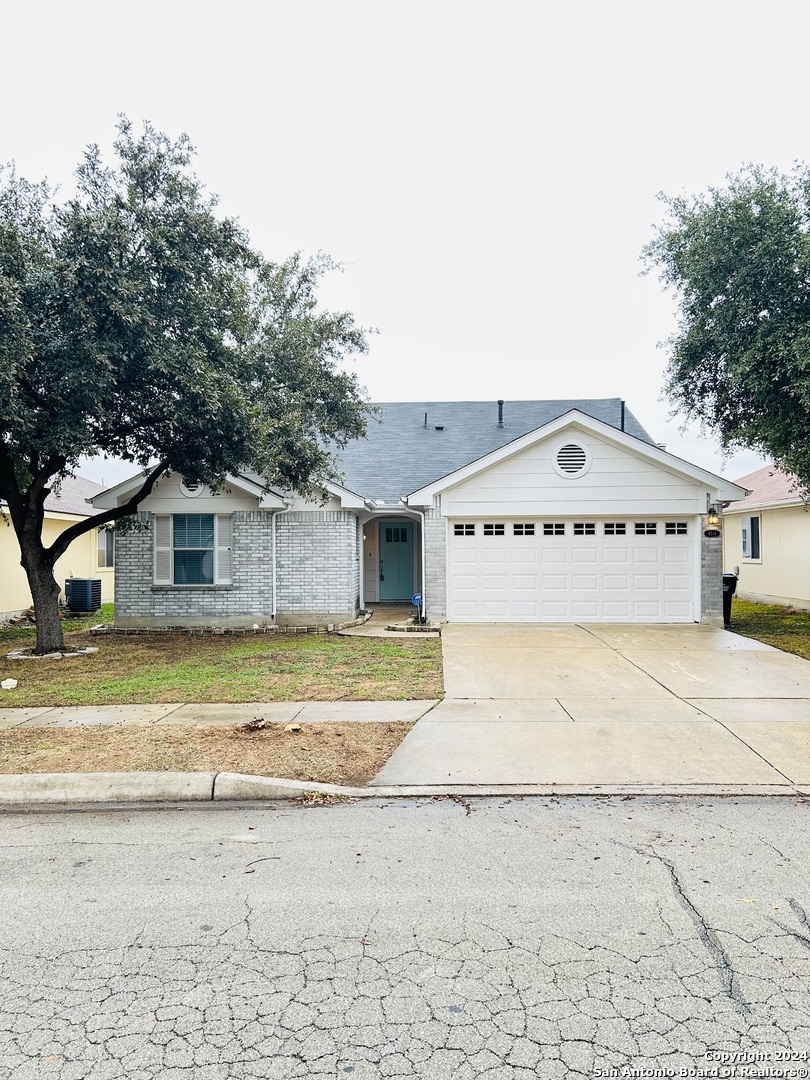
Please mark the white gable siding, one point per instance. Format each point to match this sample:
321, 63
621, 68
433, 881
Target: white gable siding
167, 498
617, 481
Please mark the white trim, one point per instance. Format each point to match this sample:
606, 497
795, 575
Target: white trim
780, 504
726, 491
121, 493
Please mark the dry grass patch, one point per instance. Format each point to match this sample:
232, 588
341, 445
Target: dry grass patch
330, 753
177, 668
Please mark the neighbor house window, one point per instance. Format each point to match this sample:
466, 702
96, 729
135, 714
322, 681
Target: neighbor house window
493, 528
646, 528
615, 528
676, 528
464, 529
192, 549
106, 548
553, 528
584, 528
524, 529
750, 537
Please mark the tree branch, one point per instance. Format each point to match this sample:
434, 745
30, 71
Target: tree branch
65, 539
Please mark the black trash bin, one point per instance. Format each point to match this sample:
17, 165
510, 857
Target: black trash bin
729, 588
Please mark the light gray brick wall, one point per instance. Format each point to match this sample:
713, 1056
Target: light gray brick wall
711, 576
317, 572
249, 599
435, 541
318, 565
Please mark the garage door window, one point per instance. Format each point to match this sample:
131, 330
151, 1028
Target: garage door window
676, 528
494, 529
553, 528
584, 528
646, 528
464, 529
525, 528
615, 528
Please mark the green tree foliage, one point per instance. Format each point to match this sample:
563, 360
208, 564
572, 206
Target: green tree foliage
738, 259
136, 322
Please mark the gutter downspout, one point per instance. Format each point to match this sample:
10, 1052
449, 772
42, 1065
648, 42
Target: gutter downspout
422, 615
273, 515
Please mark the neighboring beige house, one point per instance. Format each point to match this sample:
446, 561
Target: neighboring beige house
767, 535
91, 556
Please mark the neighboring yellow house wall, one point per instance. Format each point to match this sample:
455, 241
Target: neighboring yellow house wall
782, 573
80, 560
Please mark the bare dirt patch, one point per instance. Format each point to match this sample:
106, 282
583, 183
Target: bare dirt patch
330, 753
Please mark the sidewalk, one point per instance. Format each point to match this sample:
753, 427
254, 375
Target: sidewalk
305, 712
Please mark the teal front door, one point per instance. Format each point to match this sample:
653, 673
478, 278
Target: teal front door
396, 560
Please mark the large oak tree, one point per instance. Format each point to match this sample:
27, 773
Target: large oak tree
738, 259
137, 322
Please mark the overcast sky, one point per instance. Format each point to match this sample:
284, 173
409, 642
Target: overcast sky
487, 173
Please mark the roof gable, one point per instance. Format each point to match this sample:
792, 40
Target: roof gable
573, 421
414, 443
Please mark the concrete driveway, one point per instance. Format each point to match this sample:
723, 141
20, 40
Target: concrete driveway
607, 705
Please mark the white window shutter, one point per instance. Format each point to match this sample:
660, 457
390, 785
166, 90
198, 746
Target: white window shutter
163, 549
224, 573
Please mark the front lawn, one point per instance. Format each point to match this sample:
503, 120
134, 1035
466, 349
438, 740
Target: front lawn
177, 668
786, 628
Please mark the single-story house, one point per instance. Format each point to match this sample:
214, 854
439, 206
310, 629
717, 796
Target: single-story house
766, 539
90, 556
531, 511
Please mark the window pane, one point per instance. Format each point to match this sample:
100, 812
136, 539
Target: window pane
193, 530
194, 567
754, 537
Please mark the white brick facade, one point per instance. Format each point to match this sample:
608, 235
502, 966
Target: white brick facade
317, 574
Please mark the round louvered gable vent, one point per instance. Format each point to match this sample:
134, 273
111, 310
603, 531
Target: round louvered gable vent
571, 460
190, 489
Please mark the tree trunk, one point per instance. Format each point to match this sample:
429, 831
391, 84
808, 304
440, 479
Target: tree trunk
45, 594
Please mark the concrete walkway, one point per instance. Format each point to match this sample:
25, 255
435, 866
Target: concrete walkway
610, 705
305, 712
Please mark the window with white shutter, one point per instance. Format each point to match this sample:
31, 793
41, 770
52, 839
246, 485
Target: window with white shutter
224, 574
163, 549
193, 549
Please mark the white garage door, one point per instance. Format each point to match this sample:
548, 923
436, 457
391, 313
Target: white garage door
573, 570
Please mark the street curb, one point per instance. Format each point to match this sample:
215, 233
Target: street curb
131, 787
52, 790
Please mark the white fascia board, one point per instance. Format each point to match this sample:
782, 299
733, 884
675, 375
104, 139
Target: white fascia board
780, 504
120, 493
726, 491
349, 500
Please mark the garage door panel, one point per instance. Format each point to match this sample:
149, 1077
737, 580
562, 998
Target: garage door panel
674, 582
584, 555
615, 556
646, 554
647, 581
588, 582
615, 582
565, 578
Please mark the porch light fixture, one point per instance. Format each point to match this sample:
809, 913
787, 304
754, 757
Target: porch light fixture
714, 514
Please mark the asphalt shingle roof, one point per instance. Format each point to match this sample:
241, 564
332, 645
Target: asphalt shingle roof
767, 485
70, 497
400, 454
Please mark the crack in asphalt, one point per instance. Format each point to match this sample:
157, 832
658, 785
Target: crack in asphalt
707, 935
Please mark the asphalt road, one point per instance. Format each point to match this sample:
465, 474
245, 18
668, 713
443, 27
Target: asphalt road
500, 938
